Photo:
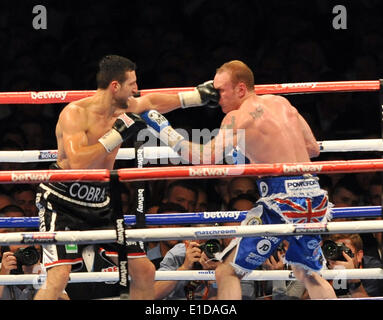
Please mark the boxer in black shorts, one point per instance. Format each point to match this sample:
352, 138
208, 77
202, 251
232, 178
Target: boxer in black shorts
89, 133
76, 206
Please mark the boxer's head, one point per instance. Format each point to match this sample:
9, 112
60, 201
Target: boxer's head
234, 80
118, 74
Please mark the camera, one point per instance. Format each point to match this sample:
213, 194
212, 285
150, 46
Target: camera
26, 257
334, 251
210, 247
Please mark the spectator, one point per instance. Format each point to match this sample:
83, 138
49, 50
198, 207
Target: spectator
25, 197
242, 185
159, 249
202, 200
182, 192
10, 264
354, 258
186, 256
5, 200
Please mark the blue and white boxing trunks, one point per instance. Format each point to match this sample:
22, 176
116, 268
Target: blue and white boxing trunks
292, 199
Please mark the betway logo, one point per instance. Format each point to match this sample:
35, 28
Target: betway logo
49, 95
302, 168
218, 215
208, 172
299, 85
31, 176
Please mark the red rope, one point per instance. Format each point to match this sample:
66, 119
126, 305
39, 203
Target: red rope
44, 97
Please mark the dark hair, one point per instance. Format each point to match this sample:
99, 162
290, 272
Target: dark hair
113, 67
184, 184
10, 208
171, 208
242, 196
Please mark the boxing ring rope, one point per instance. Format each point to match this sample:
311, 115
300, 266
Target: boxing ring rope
257, 275
166, 152
207, 217
195, 172
192, 172
44, 97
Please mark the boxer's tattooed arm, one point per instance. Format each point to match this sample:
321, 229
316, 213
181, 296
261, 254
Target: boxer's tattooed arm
230, 125
257, 113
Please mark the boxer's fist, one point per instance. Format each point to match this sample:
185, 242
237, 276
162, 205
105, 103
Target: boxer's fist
126, 126
204, 94
162, 127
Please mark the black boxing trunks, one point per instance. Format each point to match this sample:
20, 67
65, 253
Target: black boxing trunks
76, 206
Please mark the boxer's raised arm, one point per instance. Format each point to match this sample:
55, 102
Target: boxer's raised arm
311, 143
203, 95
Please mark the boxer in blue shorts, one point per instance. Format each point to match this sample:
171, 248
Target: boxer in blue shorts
266, 129
292, 199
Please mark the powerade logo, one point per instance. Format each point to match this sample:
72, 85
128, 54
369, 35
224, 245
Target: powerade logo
48, 155
294, 185
16, 177
215, 232
298, 168
61, 95
208, 172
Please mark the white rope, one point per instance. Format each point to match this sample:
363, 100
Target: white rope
351, 145
189, 233
257, 275
151, 153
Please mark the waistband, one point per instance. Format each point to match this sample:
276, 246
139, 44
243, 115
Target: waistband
287, 184
85, 192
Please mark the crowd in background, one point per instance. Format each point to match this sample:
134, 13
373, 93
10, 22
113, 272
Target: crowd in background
180, 45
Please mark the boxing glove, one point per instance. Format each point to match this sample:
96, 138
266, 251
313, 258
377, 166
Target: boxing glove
162, 127
204, 94
126, 126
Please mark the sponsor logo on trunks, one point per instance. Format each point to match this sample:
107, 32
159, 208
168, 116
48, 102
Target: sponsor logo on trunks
109, 269
61, 95
40, 237
264, 188
298, 168
127, 120
215, 232
208, 172
299, 85
30, 177
254, 259
263, 247
254, 221
71, 248
307, 185
221, 214
48, 155
86, 192
310, 228
312, 244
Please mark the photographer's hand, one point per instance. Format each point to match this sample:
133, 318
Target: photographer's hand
208, 264
348, 264
193, 254
8, 263
272, 264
